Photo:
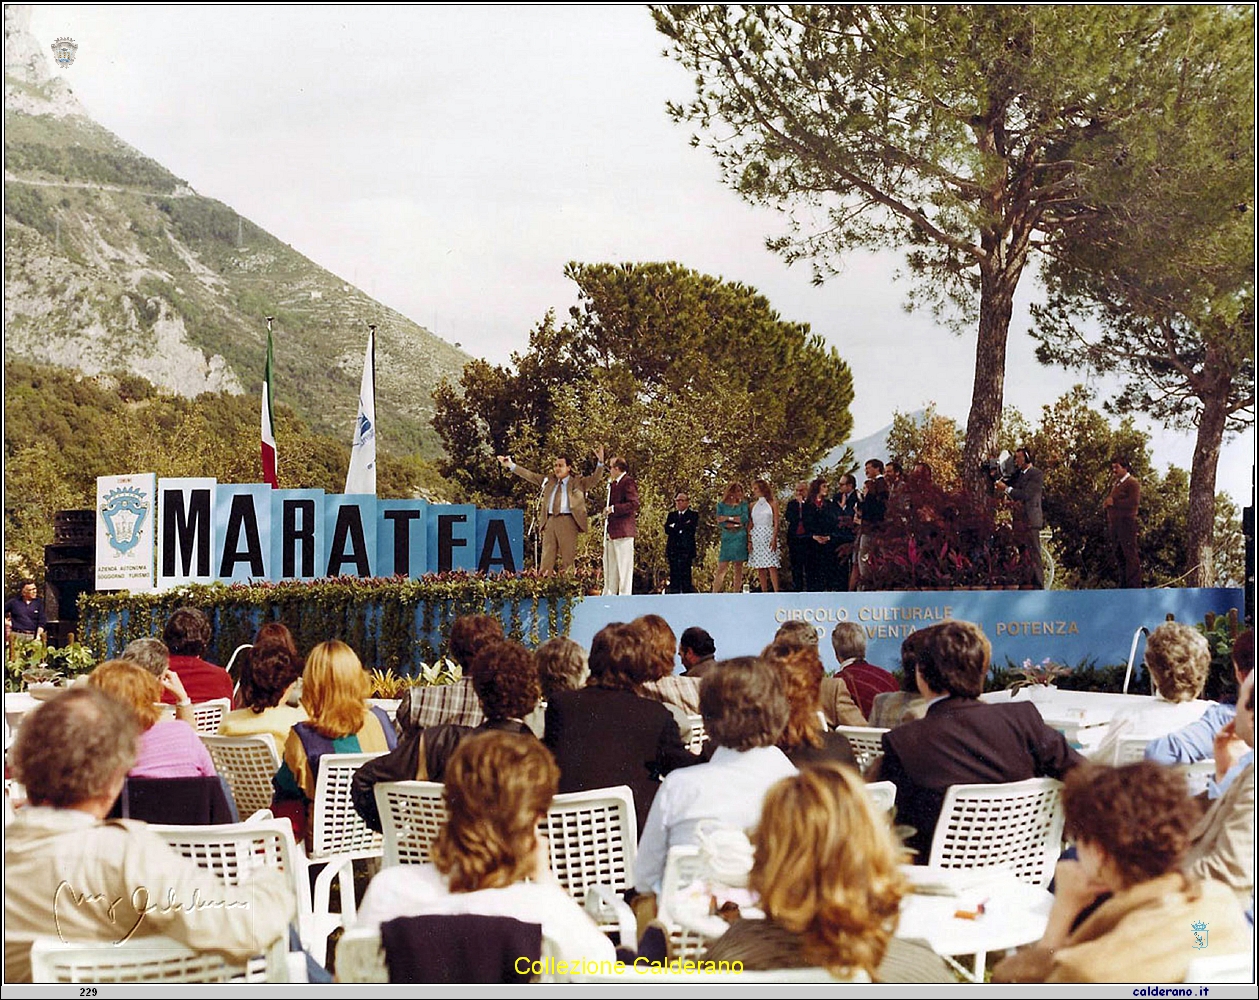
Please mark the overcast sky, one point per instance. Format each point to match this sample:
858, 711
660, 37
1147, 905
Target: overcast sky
451, 160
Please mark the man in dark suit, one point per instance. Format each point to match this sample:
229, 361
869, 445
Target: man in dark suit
618, 544
1027, 491
962, 740
679, 545
563, 515
1121, 521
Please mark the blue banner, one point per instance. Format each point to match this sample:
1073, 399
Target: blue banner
1066, 626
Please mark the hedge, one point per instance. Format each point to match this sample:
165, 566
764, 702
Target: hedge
392, 623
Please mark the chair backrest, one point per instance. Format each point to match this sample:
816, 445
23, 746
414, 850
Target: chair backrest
592, 838
146, 960
882, 794
412, 813
698, 734
1129, 750
866, 742
233, 851
247, 764
1198, 774
1236, 968
207, 715
336, 826
1015, 826
682, 867
201, 800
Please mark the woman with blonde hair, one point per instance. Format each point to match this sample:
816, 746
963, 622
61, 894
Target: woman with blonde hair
763, 555
167, 748
335, 688
498, 786
828, 875
732, 519
804, 741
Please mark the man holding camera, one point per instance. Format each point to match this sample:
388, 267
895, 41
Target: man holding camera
1027, 490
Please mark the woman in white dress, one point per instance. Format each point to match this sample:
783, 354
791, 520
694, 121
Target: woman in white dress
763, 539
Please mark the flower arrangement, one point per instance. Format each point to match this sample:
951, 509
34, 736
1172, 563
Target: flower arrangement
1041, 674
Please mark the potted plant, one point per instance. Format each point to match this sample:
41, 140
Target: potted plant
1038, 677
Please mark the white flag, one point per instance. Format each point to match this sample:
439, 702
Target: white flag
362, 475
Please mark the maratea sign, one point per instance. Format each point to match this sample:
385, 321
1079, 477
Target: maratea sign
161, 533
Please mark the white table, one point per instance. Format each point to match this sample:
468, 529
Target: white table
1081, 716
16, 705
1014, 913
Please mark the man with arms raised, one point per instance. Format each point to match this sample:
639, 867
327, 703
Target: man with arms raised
563, 507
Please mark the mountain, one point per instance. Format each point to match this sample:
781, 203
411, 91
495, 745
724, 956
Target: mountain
872, 446
112, 263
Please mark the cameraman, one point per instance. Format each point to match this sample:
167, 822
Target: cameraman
1026, 490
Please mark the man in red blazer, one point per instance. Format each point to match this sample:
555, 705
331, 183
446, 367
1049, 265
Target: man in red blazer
961, 740
1121, 521
618, 545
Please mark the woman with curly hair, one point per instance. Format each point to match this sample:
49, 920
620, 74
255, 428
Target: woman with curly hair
1178, 658
505, 678
498, 786
268, 677
335, 689
804, 741
1132, 827
827, 871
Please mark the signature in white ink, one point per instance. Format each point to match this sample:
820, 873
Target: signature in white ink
141, 904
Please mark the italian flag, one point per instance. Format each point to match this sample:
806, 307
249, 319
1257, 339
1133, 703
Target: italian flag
268, 422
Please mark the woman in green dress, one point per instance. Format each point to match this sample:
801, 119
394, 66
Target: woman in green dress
732, 519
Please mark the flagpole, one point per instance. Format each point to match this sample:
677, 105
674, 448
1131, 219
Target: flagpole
267, 449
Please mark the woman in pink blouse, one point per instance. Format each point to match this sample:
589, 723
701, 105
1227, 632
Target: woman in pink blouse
168, 748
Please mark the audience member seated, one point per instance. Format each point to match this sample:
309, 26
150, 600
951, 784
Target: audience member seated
1196, 741
505, 679
745, 711
836, 700
335, 688
663, 642
69, 872
562, 666
268, 680
1131, 827
1222, 845
168, 748
150, 653
863, 680
894, 707
187, 636
457, 703
498, 786
962, 740
697, 651
799, 668
608, 734
682, 690
1178, 658
827, 872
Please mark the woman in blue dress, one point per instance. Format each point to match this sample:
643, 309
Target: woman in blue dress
732, 519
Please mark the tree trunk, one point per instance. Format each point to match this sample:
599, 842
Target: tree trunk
998, 280
1206, 457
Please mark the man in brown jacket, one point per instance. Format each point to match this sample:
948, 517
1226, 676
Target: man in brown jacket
1121, 521
563, 507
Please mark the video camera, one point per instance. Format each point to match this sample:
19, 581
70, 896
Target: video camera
1001, 468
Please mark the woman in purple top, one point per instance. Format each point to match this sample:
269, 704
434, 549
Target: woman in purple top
168, 748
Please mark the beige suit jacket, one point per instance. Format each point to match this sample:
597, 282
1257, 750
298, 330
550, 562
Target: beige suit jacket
577, 488
1223, 843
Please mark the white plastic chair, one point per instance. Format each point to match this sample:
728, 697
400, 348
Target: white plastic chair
681, 868
233, 851
1129, 750
208, 715
1015, 826
338, 832
247, 764
412, 813
698, 734
882, 795
866, 742
155, 959
1237, 968
592, 840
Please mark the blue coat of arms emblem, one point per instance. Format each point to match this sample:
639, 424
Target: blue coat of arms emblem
1200, 932
123, 512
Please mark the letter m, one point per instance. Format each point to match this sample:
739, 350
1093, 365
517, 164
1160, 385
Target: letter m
183, 529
